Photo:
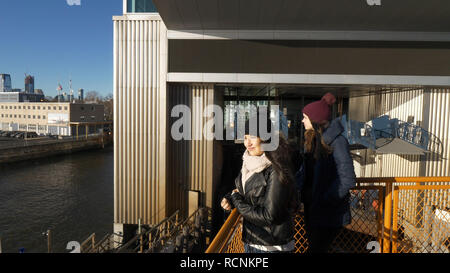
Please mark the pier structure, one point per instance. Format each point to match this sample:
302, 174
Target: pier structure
169, 53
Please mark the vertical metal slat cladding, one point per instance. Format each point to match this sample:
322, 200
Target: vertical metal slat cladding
139, 116
202, 148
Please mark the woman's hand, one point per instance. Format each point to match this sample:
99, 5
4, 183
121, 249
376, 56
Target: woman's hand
225, 204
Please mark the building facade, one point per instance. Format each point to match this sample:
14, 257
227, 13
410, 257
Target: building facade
285, 53
8, 94
5, 83
65, 119
29, 84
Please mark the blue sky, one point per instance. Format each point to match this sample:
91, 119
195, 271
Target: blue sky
54, 41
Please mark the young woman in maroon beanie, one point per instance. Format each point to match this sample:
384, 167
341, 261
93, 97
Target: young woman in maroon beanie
326, 175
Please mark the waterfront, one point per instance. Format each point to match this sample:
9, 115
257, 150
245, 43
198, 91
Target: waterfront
70, 194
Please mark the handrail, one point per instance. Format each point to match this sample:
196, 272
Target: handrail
146, 234
85, 247
107, 238
224, 233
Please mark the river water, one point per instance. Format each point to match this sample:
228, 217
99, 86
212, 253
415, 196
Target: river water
70, 194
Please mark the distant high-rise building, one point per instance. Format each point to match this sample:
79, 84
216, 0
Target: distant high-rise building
5, 83
81, 94
29, 84
39, 91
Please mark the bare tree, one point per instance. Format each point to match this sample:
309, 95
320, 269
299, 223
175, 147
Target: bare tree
93, 96
108, 102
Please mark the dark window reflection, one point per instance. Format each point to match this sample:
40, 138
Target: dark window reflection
141, 6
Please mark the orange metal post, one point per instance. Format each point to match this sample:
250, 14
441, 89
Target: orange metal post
387, 219
380, 215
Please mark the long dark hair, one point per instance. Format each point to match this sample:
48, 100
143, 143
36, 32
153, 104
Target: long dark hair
281, 161
314, 142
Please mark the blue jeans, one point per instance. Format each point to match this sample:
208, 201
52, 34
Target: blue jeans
249, 249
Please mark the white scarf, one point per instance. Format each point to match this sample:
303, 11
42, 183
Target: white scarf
251, 165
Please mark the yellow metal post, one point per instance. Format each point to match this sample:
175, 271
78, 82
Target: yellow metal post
395, 222
387, 219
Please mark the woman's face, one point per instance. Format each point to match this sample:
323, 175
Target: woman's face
253, 145
307, 123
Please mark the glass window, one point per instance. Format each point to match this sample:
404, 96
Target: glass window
60, 108
65, 107
54, 107
34, 107
140, 6
43, 117
39, 108
34, 117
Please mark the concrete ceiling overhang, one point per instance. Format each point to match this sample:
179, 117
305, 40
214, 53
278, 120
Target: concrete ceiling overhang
314, 15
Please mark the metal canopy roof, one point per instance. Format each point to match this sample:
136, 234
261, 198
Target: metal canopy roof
317, 15
398, 146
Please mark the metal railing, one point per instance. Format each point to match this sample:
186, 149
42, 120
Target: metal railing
157, 237
145, 241
41, 141
105, 245
389, 215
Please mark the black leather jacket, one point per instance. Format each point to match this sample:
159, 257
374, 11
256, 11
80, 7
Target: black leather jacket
265, 207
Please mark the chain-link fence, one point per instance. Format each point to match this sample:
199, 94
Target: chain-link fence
421, 219
385, 218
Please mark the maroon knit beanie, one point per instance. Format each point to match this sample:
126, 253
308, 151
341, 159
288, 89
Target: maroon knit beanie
319, 111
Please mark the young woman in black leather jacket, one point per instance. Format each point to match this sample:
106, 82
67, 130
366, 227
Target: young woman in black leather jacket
265, 196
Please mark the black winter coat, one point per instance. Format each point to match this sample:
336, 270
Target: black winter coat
265, 207
328, 205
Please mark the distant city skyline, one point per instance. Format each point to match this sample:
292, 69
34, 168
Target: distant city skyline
56, 42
